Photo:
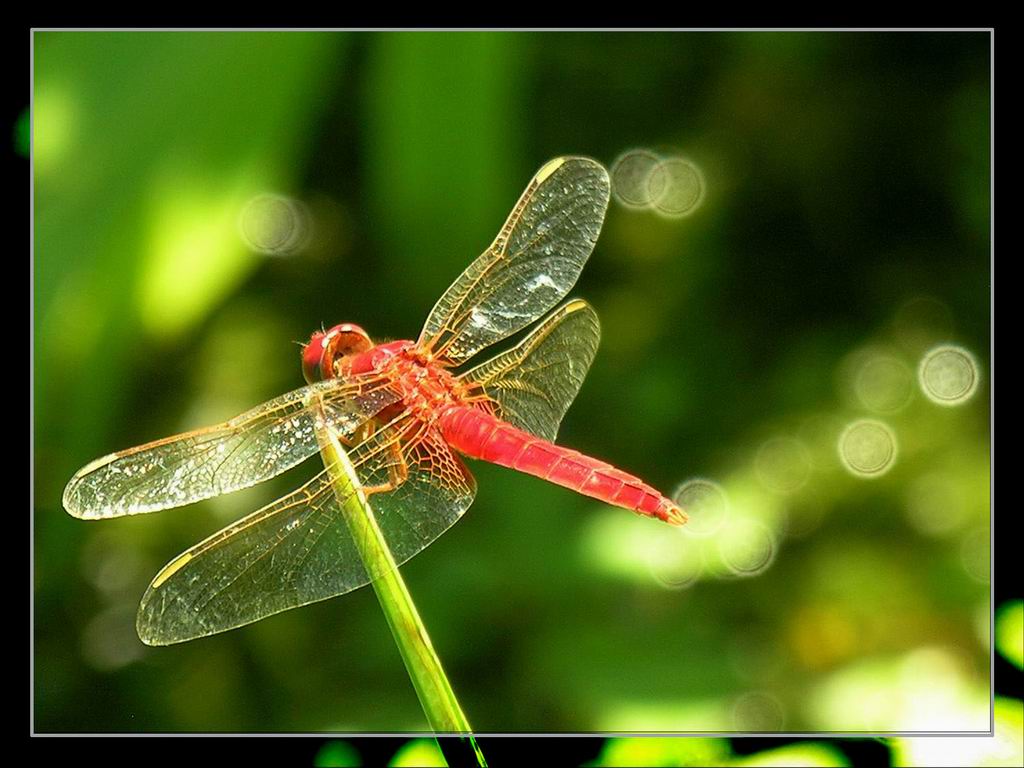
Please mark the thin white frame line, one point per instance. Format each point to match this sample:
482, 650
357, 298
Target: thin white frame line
513, 29
601, 734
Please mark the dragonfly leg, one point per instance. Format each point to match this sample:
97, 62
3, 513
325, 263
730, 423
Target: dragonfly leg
360, 434
398, 472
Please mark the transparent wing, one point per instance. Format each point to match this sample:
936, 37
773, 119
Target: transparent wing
529, 267
299, 549
536, 381
246, 450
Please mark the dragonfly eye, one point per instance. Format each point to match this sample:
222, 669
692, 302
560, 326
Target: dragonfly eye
347, 339
312, 354
326, 349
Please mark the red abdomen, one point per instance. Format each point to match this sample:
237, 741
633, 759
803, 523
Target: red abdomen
483, 436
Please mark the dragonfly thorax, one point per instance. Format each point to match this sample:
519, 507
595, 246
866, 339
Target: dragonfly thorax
426, 390
327, 348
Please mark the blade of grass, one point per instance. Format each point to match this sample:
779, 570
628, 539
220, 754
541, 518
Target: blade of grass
435, 693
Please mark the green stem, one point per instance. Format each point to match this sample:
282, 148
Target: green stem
435, 693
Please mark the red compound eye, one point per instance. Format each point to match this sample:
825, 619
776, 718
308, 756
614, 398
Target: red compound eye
347, 339
324, 349
312, 355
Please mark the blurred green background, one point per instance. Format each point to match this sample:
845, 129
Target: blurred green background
844, 233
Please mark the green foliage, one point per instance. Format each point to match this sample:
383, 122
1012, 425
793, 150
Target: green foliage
22, 134
1009, 637
662, 752
418, 752
337, 754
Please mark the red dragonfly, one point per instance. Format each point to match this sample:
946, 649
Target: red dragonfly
403, 415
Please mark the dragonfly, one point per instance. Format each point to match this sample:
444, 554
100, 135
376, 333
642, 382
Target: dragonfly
405, 417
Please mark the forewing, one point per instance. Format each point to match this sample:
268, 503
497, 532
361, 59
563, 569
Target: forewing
299, 549
529, 267
246, 450
536, 381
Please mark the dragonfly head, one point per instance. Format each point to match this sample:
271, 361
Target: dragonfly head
326, 348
